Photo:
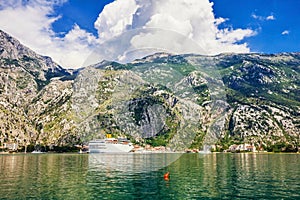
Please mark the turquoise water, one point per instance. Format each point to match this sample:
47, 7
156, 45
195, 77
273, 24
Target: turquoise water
140, 176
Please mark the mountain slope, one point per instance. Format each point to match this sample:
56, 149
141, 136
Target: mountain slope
28, 84
264, 93
179, 101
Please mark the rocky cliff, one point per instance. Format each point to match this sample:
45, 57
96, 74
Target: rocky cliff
179, 101
32, 96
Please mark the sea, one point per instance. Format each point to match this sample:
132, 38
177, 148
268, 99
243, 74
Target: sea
143, 176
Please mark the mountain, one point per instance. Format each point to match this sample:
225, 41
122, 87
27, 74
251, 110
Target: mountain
32, 95
179, 101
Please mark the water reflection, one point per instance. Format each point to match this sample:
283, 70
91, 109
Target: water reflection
133, 176
42, 176
132, 163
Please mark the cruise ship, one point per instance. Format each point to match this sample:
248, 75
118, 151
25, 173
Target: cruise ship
110, 145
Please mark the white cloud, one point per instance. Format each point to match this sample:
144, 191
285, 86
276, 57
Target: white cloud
263, 18
270, 17
220, 20
234, 36
116, 18
127, 29
31, 22
254, 16
168, 25
285, 32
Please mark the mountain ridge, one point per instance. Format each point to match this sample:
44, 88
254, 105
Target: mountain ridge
179, 101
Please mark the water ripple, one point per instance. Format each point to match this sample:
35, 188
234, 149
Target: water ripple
192, 176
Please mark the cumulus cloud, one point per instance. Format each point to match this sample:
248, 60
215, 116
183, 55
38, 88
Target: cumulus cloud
182, 26
127, 29
31, 21
116, 18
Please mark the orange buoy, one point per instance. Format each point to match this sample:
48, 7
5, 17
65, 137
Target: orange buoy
166, 176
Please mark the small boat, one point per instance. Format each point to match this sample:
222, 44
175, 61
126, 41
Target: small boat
110, 145
83, 151
37, 152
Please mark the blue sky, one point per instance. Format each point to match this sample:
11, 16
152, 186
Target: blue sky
83, 13
70, 30
269, 38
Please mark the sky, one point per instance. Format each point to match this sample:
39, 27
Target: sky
77, 33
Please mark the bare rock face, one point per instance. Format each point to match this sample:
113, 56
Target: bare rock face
179, 101
30, 93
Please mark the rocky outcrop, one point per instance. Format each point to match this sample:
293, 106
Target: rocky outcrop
30, 93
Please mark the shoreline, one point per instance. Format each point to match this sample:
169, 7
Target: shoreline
142, 153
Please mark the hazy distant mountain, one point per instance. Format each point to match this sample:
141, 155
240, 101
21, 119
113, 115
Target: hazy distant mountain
174, 100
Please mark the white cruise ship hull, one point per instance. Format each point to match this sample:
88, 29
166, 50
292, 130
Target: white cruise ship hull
103, 147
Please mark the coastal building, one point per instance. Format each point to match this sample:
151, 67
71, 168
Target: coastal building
242, 148
11, 146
